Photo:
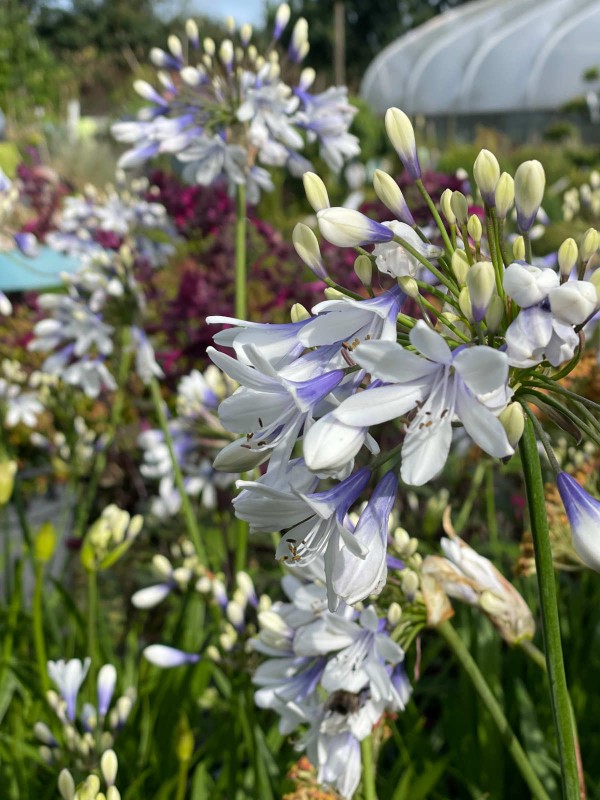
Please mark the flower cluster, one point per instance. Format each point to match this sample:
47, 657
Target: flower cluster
336, 672
195, 431
88, 733
224, 109
90, 788
490, 333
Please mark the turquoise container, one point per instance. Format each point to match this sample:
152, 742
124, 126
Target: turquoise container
21, 274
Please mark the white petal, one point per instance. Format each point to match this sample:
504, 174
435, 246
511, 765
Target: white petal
381, 404
483, 369
391, 362
425, 451
430, 343
481, 425
329, 444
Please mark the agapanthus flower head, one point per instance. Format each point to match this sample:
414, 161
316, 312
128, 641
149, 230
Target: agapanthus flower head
224, 109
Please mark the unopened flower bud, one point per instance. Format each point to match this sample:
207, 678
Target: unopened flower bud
519, 248
316, 192
409, 286
8, 470
307, 78
230, 24
494, 314
505, 195
190, 76
299, 42
209, 46
513, 422
446, 206
486, 172
174, 45
574, 301
66, 785
595, 281
109, 765
90, 788
45, 543
191, 31
226, 53
390, 194
474, 228
464, 302
282, 17
589, 244
307, 246
460, 208
345, 227
363, 267
333, 294
460, 267
530, 182
402, 136
298, 313
246, 34
583, 512
394, 614
185, 742
568, 255
410, 582
212, 653
481, 280
112, 793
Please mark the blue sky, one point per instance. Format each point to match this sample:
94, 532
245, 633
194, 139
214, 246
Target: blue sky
241, 10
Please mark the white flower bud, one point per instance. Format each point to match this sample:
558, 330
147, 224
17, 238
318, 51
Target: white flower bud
481, 280
464, 302
363, 267
402, 136
390, 194
474, 228
109, 765
460, 208
307, 246
226, 53
298, 313
174, 45
230, 25
190, 76
307, 78
112, 793
568, 255
235, 613
589, 244
145, 90
316, 192
282, 17
409, 286
209, 46
505, 195
446, 206
66, 785
595, 281
530, 182
460, 267
246, 33
394, 614
43, 733
528, 285
191, 31
410, 582
519, 249
345, 227
513, 422
333, 294
494, 314
486, 172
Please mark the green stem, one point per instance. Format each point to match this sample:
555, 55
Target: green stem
559, 696
427, 264
480, 685
182, 780
490, 504
368, 769
435, 215
465, 511
14, 608
92, 628
241, 308
528, 251
186, 506
38, 627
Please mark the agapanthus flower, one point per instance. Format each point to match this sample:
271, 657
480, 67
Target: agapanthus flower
583, 512
224, 109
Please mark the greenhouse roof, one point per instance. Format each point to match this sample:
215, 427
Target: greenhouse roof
489, 56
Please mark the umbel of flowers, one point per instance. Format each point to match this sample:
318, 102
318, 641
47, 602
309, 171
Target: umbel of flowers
225, 109
493, 335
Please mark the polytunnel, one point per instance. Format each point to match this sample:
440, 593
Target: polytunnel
490, 56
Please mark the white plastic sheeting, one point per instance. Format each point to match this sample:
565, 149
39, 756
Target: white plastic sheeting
489, 56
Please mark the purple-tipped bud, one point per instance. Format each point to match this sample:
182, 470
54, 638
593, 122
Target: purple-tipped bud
530, 181
107, 679
345, 227
388, 191
583, 512
282, 17
166, 657
402, 136
307, 247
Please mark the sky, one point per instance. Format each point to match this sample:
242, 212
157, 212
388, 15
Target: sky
251, 11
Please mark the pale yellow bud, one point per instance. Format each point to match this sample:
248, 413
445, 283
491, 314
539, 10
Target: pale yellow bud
402, 136
394, 614
333, 294
519, 249
298, 313
316, 192
446, 206
363, 267
513, 422
8, 470
185, 742
589, 244
66, 785
191, 30
464, 302
486, 172
230, 24
409, 286
306, 245
530, 182
175, 46
209, 46
494, 314
568, 254
45, 543
481, 280
246, 33
109, 765
474, 228
460, 266
460, 208
410, 582
505, 195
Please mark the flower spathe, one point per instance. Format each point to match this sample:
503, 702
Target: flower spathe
583, 512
